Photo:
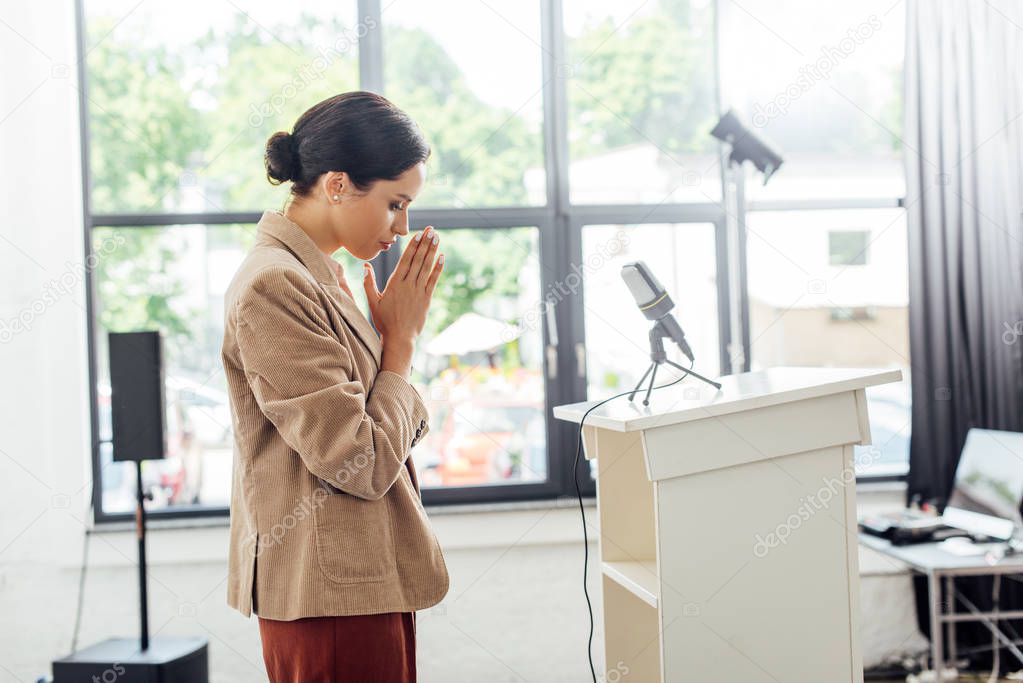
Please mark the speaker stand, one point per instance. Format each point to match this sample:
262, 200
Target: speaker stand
127, 660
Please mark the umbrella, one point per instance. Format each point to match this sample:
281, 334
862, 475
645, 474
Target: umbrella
472, 332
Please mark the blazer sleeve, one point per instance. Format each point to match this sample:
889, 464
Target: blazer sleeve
302, 377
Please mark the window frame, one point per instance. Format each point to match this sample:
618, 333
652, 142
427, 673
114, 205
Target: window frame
559, 223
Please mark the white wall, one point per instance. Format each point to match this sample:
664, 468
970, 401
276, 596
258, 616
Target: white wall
44, 442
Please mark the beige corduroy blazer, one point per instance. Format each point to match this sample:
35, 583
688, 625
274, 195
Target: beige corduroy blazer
326, 513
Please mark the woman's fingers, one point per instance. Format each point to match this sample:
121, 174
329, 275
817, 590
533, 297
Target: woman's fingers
426, 265
431, 282
408, 257
369, 284
423, 255
401, 270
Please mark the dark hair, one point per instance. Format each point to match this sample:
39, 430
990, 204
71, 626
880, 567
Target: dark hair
358, 132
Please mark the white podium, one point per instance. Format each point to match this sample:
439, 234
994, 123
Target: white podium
728, 537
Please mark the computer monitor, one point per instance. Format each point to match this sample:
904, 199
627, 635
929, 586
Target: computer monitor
988, 486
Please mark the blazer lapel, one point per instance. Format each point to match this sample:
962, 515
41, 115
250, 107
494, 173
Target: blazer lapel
276, 225
355, 319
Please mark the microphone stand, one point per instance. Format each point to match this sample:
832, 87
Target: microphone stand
657, 356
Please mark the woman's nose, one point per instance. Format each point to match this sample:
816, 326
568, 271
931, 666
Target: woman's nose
400, 226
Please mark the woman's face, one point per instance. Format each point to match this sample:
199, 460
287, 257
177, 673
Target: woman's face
367, 222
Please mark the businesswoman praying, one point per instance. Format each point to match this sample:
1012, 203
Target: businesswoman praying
329, 543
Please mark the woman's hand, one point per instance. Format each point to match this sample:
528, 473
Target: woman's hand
399, 312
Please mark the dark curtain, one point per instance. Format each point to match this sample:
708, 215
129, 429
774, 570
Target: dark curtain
964, 115
964, 165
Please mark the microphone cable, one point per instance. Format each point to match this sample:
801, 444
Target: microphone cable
582, 510
80, 602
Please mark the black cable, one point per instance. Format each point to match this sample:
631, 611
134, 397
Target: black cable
582, 511
82, 572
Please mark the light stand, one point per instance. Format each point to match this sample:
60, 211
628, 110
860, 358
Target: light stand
743, 145
734, 195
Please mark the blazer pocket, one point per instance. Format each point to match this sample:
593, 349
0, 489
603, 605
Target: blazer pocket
354, 540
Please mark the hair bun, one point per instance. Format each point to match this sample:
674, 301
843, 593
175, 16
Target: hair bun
281, 160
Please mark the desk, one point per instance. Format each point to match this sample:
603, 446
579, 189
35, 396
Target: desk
938, 565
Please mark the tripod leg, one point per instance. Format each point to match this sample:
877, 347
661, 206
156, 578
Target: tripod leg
640, 382
650, 387
686, 370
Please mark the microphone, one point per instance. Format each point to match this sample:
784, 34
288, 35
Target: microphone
654, 302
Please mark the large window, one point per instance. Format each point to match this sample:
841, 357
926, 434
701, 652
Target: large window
568, 138
180, 108
480, 363
478, 92
822, 80
640, 88
683, 258
809, 308
170, 278
828, 287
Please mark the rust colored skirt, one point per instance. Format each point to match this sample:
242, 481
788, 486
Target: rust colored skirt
369, 648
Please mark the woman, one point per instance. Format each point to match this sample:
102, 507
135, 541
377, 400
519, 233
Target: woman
329, 543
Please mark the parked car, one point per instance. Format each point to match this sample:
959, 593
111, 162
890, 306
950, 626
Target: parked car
198, 420
479, 442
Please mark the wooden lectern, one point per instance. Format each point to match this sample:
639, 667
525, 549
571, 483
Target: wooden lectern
728, 530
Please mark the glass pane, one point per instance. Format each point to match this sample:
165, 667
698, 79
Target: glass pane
180, 110
641, 101
682, 257
173, 279
822, 81
848, 247
477, 94
806, 310
479, 363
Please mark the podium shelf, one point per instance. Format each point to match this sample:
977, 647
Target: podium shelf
639, 578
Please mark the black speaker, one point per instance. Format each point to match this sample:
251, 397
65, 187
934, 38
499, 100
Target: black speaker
119, 660
137, 415
137, 402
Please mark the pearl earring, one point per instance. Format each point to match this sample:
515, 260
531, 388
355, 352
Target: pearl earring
337, 198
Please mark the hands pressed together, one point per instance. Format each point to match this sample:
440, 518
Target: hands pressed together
399, 312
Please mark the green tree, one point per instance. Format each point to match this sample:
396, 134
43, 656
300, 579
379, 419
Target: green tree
132, 295
171, 127
648, 81
480, 152
479, 263
143, 129
265, 80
